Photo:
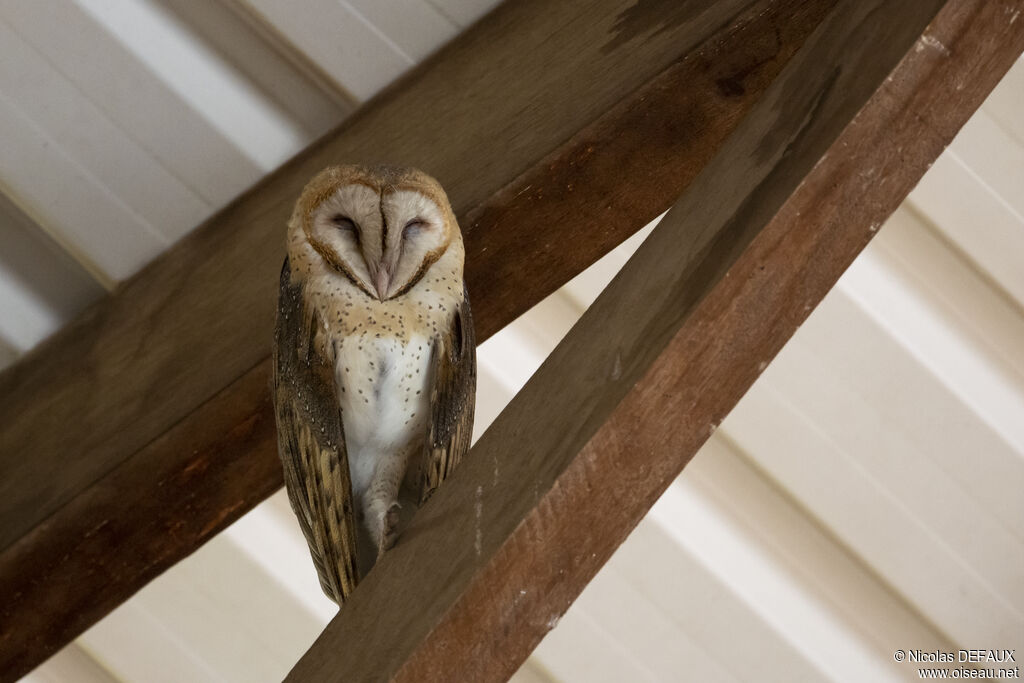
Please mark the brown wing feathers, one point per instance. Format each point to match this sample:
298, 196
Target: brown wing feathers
452, 400
311, 444
311, 438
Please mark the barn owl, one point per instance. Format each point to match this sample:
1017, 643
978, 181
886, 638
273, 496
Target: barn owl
374, 361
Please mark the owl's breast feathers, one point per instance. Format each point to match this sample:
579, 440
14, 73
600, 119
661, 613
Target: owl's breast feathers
311, 443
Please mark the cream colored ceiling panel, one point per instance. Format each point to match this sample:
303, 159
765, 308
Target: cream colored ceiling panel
918, 448
144, 109
230, 104
217, 616
269, 536
956, 342
133, 644
632, 604
59, 139
258, 54
849, 422
799, 632
974, 194
415, 27
81, 130
531, 672
346, 45
1006, 103
464, 12
833, 582
69, 201
70, 665
994, 156
644, 628
984, 318
870, 519
515, 353
985, 227
945, 344
580, 649
493, 394
966, 213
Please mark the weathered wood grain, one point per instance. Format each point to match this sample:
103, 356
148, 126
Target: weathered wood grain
627, 167
143, 516
637, 386
129, 514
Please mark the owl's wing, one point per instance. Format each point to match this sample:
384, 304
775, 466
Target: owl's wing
311, 443
452, 400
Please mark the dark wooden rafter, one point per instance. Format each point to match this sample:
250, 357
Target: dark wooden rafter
117, 492
639, 384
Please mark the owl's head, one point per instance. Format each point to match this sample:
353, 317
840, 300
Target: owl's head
381, 227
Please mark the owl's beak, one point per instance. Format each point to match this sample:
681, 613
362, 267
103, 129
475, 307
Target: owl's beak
382, 282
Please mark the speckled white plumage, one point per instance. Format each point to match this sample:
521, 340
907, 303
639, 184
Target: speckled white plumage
384, 398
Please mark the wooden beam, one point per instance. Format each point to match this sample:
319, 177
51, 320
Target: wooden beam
614, 414
180, 441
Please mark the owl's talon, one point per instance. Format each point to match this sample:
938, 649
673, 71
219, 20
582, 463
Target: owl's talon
389, 528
